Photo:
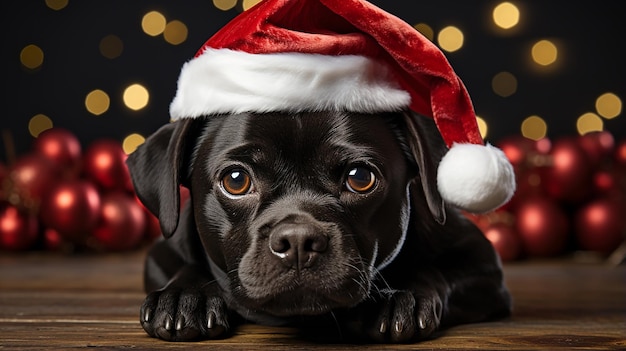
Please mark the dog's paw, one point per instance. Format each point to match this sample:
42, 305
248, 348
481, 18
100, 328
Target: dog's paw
397, 317
184, 315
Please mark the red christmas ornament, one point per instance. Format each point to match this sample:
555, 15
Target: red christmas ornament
72, 209
105, 164
517, 149
122, 222
606, 182
569, 176
619, 154
3, 176
60, 146
29, 180
600, 225
53, 241
184, 196
598, 146
18, 229
505, 240
542, 226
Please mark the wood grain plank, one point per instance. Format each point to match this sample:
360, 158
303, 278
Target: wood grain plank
59, 302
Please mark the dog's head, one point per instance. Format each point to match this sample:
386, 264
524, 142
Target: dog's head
298, 212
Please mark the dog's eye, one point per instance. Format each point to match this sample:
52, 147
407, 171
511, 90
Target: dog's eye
360, 180
237, 182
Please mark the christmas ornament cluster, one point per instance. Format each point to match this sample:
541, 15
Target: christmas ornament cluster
61, 197
571, 197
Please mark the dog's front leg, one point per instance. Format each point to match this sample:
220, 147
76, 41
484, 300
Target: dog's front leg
189, 308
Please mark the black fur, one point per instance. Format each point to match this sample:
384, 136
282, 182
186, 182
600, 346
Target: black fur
389, 264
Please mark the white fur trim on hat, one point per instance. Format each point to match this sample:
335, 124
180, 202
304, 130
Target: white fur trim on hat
228, 81
475, 178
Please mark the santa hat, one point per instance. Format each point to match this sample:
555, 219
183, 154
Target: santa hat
347, 55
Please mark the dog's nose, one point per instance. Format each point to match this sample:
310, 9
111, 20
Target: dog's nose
297, 245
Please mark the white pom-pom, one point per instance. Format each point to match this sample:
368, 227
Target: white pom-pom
475, 178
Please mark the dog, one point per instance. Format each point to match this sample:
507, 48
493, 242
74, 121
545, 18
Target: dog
305, 218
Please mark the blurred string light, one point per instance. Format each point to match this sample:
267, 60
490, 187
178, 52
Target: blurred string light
224, 5
111, 46
97, 102
131, 142
38, 124
504, 84
56, 4
544, 52
589, 122
609, 105
31, 56
136, 97
450, 39
154, 24
482, 126
534, 127
175, 32
426, 30
247, 4
506, 15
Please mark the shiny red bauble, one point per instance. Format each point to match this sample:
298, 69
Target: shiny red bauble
59, 145
520, 150
122, 223
104, 163
600, 225
18, 229
619, 155
543, 227
71, 208
505, 241
598, 146
29, 180
569, 176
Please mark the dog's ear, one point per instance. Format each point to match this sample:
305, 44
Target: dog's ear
158, 167
428, 148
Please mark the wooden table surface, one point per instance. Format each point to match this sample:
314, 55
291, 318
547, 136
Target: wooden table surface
52, 301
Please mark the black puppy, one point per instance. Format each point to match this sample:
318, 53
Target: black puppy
294, 216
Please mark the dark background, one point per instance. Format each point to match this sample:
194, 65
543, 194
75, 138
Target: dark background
590, 35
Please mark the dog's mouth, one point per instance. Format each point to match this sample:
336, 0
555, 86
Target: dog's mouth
293, 297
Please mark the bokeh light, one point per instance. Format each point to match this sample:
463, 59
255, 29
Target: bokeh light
450, 39
589, 122
131, 142
38, 124
506, 15
247, 4
136, 97
56, 4
426, 30
153, 23
97, 102
31, 56
609, 105
111, 46
224, 5
175, 32
544, 52
482, 126
534, 127
504, 84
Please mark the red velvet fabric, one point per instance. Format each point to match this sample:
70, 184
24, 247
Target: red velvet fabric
356, 27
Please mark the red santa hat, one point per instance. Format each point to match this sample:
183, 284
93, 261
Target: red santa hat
347, 55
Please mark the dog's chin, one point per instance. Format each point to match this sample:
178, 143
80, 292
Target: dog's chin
305, 302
